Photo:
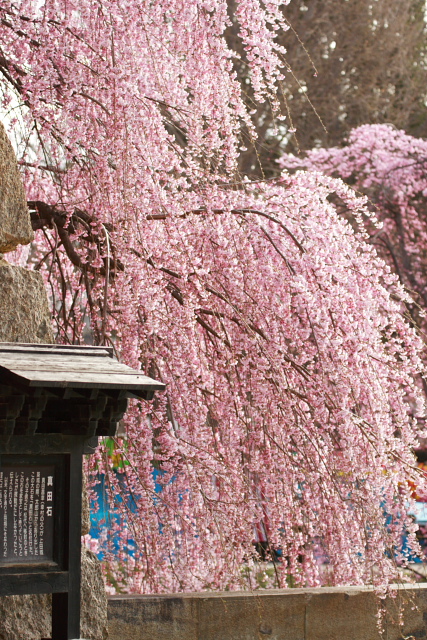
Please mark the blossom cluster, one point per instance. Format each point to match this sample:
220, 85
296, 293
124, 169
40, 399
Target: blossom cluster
388, 166
290, 369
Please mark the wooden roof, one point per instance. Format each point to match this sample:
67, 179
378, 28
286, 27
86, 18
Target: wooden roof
76, 367
66, 389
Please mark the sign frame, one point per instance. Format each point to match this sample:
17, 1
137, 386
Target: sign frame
55, 402
62, 577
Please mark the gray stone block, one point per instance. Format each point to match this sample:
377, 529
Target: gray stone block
93, 599
24, 311
29, 617
24, 617
155, 617
340, 613
15, 224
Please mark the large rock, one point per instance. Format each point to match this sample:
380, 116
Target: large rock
25, 317
15, 224
29, 617
25, 617
93, 624
24, 311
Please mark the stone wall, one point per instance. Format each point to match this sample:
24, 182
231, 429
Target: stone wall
292, 614
25, 317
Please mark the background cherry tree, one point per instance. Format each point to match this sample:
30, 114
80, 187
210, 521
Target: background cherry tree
389, 167
292, 396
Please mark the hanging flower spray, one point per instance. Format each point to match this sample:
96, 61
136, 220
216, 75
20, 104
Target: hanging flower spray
292, 396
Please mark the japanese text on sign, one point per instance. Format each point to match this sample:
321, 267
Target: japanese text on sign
26, 514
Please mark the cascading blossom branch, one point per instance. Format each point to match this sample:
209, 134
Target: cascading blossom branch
389, 166
291, 399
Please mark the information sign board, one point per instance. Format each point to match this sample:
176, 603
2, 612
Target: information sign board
26, 514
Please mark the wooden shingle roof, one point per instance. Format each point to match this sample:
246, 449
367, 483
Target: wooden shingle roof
66, 389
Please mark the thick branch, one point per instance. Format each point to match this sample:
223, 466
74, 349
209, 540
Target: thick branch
47, 216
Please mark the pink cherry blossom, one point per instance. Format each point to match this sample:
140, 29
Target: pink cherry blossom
292, 403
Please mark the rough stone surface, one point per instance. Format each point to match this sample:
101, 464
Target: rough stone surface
24, 311
29, 617
93, 600
293, 614
16, 621
15, 224
24, 317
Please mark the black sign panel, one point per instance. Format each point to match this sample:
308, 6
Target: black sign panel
26, 513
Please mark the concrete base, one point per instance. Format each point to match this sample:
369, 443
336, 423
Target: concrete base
294, 614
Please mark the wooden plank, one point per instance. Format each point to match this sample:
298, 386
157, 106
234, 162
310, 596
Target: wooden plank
54, 357
56, 353
11, 360
81, 379
60, 616
41, 443
109, 366
15, 584
10, 347
74, 542
66, 606
75, 377
51, 367
132, 380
